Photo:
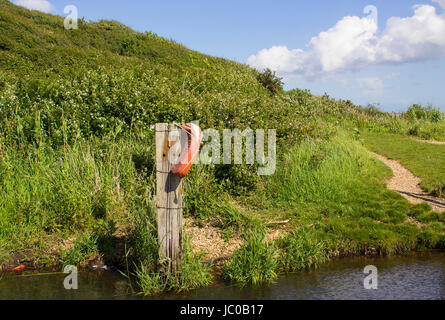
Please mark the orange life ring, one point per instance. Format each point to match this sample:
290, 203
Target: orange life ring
189, 150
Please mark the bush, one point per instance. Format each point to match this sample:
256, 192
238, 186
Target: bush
417, 112
270, 81
237, 179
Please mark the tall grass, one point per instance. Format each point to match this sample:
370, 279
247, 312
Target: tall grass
194, 273
254, 263
302, 248
83, 248
324, 172
424, 123
58, 190
332, 192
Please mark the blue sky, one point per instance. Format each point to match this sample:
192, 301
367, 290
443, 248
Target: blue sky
390, 66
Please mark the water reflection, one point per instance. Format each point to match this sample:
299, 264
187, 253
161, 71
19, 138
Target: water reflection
415, 276
92, 286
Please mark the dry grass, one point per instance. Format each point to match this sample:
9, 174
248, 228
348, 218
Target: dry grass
210, 241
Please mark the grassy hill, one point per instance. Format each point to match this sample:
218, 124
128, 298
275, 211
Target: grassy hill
77, 157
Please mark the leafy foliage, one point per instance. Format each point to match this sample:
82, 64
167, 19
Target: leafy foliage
417, 112
270, 81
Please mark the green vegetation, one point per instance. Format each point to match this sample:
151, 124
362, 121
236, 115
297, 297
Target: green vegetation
254, 263
417, 112
424, 216
270, 81
193, 274
77, 158
84, 247
419, 122
332, 192
302, 248
426, 161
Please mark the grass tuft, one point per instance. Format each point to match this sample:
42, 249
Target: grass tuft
301, 249
254, 263
194, 274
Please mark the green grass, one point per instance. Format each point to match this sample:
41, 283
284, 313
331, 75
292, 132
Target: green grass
193, 274
83, 248
419, 122
426, 161
254, 263
302, 248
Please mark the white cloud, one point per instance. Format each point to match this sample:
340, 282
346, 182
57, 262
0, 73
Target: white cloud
279, 58
41, 5
354, 43
440, 2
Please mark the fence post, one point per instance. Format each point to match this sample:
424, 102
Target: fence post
168, 198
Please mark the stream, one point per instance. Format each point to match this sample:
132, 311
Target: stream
414, 276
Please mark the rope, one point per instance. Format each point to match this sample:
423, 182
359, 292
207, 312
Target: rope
189, 133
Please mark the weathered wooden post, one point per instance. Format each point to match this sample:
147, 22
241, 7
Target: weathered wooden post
168, 197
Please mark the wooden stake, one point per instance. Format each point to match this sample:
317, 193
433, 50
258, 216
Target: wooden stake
169, 204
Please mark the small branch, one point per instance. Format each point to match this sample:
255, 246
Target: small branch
277, 222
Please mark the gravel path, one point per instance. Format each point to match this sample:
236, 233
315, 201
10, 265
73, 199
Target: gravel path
405, 183
430, 141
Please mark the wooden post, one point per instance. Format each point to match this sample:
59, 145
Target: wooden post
168, 198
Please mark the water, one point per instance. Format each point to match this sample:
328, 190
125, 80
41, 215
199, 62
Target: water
415, 276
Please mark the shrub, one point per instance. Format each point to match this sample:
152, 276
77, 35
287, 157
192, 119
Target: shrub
237, 179
270, 81
417, 112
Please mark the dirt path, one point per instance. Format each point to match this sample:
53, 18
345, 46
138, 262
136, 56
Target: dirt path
405, 183
430, 141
